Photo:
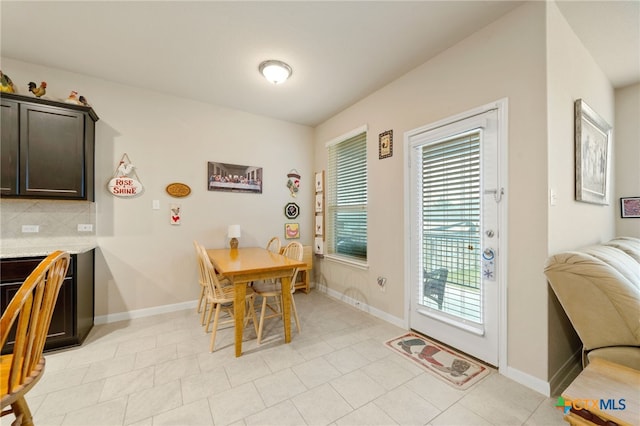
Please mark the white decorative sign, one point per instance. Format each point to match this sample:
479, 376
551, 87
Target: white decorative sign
123, 185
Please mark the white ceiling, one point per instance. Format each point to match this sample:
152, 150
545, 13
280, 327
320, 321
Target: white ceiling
340, 51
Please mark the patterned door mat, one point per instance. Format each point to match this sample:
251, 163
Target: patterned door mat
458, 370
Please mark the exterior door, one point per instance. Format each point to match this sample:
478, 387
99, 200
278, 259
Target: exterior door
455, 194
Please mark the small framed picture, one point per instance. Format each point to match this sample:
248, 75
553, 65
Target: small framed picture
319, 181
385, 144
319, 225
630, 207
291, 231
291, 210
319, 203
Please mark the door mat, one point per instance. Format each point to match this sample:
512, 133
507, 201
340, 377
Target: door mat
458, 370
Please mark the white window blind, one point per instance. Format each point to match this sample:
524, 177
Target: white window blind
346, 219
451, 220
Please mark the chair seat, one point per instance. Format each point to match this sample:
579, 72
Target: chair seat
5, 366
267, 288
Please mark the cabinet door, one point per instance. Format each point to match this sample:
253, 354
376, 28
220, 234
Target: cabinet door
52, 152
10, 140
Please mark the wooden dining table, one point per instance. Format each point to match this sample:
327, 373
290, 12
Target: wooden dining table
244, 265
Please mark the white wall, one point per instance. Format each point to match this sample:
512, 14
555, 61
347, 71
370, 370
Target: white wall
571, 74
505, 59
143, 261
627, 142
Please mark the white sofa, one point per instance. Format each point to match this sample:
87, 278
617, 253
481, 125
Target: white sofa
599, 288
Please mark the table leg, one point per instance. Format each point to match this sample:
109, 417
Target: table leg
286, 307
238, 314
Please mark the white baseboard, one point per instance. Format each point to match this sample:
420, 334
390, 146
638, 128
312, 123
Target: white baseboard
399, 322
527, 380
147, 312
569, 370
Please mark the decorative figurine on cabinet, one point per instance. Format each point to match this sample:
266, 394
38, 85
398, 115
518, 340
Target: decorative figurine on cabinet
38, 91
6, 85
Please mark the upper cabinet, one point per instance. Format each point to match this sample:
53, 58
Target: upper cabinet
47, 149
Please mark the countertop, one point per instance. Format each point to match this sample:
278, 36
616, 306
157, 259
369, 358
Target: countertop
30, 247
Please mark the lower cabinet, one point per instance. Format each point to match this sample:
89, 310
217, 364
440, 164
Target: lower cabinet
74, 311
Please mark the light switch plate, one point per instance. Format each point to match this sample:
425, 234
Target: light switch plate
156, 205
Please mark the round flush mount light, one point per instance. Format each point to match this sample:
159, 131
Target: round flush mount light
275, 71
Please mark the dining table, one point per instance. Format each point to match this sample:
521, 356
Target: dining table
244, 265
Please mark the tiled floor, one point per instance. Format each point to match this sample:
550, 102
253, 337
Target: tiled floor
158, 371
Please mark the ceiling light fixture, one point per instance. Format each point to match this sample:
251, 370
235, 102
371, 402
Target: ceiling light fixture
275, 71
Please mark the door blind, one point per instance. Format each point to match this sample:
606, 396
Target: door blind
451, 222
347, 197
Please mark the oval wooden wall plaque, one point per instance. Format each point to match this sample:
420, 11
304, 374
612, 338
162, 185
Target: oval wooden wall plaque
178, 190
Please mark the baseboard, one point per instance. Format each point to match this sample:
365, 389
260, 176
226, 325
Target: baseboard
569, 370
527, 380
141, 313
398, 322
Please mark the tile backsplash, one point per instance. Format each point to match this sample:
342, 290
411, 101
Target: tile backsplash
53, 218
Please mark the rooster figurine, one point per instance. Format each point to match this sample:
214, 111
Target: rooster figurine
38, 91
6, 85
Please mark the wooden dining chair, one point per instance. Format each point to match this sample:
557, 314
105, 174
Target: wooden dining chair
203, 302
32, 306
221, 298
274, 245
273, 290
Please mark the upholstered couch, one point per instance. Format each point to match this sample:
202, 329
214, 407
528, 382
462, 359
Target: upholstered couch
599, 288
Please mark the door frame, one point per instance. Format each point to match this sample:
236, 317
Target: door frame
501, 105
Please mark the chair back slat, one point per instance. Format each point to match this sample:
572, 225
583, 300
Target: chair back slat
274, 245
211, 278
295, 251
32, 306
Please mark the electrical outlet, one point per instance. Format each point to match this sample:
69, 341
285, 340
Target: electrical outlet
85, 227
30, 228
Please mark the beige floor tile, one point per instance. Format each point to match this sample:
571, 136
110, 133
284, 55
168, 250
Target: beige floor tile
176, 369
278, 387
346, 360
546, 414
369, 414
235, 404
282, 414
155, 356
316, 372
388, 373
196, 413
435, 390
204, 385
127, 383
246, 369
109, 367
406, 407
69, 399
153, 401
458, 415
110, 413
357, 388
321, 405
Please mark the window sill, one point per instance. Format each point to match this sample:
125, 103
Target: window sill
347, 261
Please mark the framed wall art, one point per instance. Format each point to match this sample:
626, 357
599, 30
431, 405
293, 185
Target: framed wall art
630, 207
385, 144
291, 210
291, 231
234, 178
593, 155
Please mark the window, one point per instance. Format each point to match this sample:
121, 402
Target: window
347, 196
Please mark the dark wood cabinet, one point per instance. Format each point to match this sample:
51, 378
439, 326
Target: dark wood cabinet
74, 311
47, 149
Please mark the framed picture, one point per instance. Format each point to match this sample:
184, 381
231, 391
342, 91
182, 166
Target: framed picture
385, 144
319, 225
234, 178
319, 181
630, 207
291, 210
593, 155
291, 231
319, 203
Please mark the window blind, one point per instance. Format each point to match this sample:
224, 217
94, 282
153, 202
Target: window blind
451, 219
347, 197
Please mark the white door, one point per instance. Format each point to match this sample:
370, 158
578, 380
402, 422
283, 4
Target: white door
454, 196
